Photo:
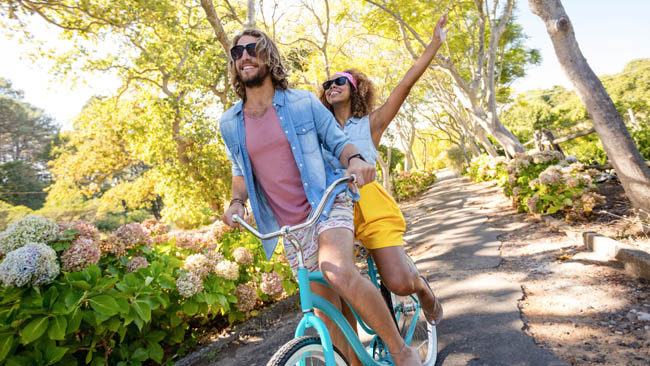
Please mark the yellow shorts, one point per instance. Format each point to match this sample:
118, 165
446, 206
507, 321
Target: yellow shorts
378, 221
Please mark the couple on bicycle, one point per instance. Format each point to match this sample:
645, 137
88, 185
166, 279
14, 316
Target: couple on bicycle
286, 147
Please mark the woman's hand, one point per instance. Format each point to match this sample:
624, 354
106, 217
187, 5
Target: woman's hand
440, 32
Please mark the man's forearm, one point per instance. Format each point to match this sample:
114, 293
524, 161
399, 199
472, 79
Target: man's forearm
239, 188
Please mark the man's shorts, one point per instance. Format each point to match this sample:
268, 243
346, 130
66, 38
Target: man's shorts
341, 216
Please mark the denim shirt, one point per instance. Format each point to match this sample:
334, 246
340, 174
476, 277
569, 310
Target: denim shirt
358, 130
308, 125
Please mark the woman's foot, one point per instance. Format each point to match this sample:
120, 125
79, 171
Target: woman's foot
407, 356
431, 306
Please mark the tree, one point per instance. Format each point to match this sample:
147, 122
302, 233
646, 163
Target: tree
25, 131
21, 185
621, 150
479, 57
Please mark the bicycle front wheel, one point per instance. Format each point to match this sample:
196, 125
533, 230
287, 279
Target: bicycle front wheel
304, 351
412, 323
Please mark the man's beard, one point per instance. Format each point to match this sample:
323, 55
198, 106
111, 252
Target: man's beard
258, 79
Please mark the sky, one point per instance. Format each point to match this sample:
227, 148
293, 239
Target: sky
610, 35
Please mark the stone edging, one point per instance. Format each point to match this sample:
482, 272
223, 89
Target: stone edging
635, 261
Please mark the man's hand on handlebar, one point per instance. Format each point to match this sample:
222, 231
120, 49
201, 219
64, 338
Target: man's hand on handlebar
235, 208
365, 172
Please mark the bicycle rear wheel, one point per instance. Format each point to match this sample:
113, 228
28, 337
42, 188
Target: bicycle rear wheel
304, 351
424, 339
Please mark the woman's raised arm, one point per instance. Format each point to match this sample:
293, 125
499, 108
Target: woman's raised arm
381, 117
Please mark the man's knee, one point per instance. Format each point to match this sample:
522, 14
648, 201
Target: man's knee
338, 275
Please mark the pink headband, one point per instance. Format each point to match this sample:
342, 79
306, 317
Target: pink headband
348, 76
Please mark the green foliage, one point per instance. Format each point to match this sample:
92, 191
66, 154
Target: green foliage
562, 112
119, 314
397, 157
10, 213
642, 138
19, 176
542, 182
409, 184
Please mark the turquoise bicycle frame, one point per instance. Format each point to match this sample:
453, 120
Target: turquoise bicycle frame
309, 301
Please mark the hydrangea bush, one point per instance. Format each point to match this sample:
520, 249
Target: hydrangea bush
127, 298
29, 229
542, 182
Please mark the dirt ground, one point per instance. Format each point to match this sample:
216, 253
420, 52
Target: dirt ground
584, 310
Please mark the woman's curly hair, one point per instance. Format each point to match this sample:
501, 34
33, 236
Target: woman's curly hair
268, 54
362, 98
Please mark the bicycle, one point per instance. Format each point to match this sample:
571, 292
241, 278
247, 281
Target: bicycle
318, 350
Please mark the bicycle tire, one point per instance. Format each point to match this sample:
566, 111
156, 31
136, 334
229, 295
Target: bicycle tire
424, 339
307, 349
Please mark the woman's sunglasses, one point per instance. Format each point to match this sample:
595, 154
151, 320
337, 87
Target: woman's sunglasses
340, 81
238, 51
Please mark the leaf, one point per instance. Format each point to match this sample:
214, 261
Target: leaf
6, 342
190, 307
94, 273
143, 310
123, 305
57, 329
83, 285
74, 321
72, 299
104, 304
155, 352
140, 354
34, 330
53, 353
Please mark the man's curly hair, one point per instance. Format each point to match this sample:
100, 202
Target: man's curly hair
362, 98
268, 54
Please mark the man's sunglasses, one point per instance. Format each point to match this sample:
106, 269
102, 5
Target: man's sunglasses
340, 81
238, 51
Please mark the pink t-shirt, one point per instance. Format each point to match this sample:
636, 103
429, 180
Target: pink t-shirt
275, 168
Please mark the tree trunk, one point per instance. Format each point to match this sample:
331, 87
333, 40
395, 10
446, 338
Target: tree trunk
616, 139
250, 15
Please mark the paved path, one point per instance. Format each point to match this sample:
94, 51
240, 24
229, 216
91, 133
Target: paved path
451, 243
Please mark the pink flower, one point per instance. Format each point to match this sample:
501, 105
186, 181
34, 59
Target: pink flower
243, 256
136, 263
132, 235
271, 284
246, 298
82, 254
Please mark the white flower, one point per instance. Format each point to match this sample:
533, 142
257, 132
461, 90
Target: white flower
29, 229
189, 284
227, 269
32, 264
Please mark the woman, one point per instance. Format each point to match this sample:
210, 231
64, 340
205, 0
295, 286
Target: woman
378, 221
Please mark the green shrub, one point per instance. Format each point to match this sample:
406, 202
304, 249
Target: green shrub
642, 139
408, 184
146, 301
9, 213
542, 182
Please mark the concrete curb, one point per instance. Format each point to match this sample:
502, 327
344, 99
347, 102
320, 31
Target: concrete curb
635, 261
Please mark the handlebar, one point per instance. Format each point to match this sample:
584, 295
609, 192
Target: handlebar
311, 219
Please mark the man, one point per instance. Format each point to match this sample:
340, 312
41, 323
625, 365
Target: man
273, 137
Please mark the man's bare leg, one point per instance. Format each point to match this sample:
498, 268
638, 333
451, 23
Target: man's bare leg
338, 339
336, 261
